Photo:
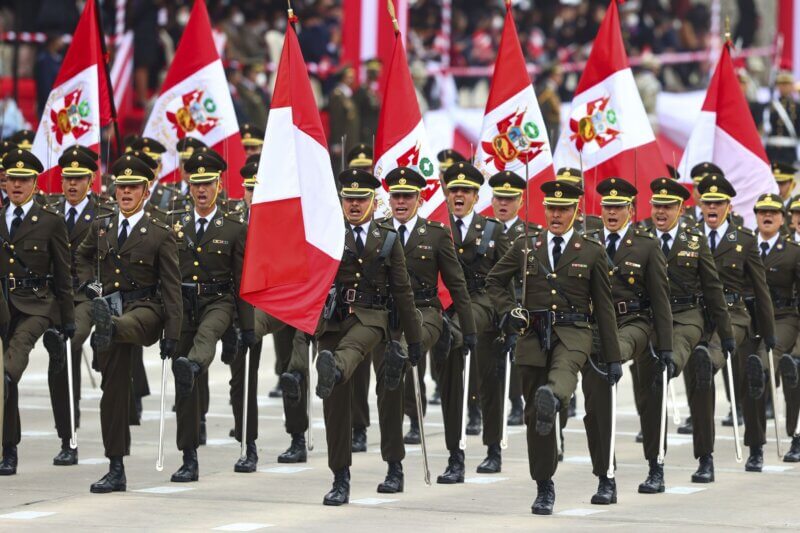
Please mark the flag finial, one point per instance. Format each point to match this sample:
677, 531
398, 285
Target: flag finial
393, 15
727, 28
292, 17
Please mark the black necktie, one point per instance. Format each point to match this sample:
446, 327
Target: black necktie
665, 238
71, 218
402, 231
202, 229
764, 249
557, 250
611, 249
460, 226
18, 212
359, 243
123, 234
712, 239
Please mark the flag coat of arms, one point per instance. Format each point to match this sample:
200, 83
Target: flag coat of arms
725, 134
609, 134
79, 103
295, 238
195, 102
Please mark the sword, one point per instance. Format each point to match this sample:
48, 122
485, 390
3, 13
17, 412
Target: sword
676, 412
243, 451
462, 444
558, 432
504, 439
2, 389
310, 397
160, 459
662, 432
420, 417
73, 438
610, 473
775, 403
734, 413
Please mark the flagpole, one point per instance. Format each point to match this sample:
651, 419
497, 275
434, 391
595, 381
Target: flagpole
109, 88
393, 15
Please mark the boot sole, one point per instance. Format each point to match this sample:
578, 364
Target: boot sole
93, 490
696, 479
703, 369
184, 377
56, 349
603, 501
101, 313
326, 376
394, 363
545, 402
448, 481
290, 387
180, 480
243, 469
335, 503
791, 458
410, 440
542, 512
648, 490
755, 376
283, 460
788, 371
383, 490
753, 469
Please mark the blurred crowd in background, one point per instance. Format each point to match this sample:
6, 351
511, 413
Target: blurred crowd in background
552, 33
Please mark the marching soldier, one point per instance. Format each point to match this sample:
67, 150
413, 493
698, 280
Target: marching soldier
784, 177
794, 218
373, 269
781, 258
507, 188
567, 281
740, 270
252, 138
429, 253
695, 292
138, 270
784, 121
36, 283
640, 291
79, 209
479, 243
368, 99
344, 119
590, 223
211, 254
23, 139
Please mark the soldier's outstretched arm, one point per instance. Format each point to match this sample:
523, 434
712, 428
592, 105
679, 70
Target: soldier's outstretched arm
603, 306
657, 282
499, 278
403, 294
453, 277
245, 310
62, 272
712, 291
754, 269
170, 276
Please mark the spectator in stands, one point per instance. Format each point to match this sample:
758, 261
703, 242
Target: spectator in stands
45, 71
253, 97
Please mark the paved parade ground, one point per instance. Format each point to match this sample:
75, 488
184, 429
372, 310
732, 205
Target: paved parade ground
289, 497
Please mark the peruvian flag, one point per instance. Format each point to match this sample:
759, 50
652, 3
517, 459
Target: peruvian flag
295, 240
609, 133
195, 102
79, 103
788, 17
401, 140
367, 32
726, 135
513, 135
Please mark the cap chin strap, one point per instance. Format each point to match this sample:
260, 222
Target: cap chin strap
574, 216
369, 211
135, 210
416, 208
85, 191
677, 217
28, 199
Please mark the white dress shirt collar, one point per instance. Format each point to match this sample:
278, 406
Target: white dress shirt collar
412, 222
11, 208
467, 220
510, 224
550, 245
622, 231
672, 233
208, 217
721, 230
78, 208
132, 220
771, 242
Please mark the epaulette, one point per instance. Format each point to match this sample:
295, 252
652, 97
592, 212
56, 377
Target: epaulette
694, 230
160, 224
643, 233
382, 220
746, 231
234, 217
435, 224
51, 209
493, 219
387, 227
591, 239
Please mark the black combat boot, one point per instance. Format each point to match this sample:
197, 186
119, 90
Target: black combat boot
755, 463
655, 479
547, 405
296, 453
57, 350
395, 360
67, 456
289, 384
394, 479
545, 498
8, 467
493, 462
189, 470
754, 372
186, 372
359, 443
328, 374
114, 481
686, 428
606, 491
413, 436
787, 368
249, 463
103, 324
703, 368
705, 470
793, 455
516, 417
454, 473
340, 491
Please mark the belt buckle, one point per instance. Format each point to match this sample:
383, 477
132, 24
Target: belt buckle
350, 296
198, 288
622, 308
12, 283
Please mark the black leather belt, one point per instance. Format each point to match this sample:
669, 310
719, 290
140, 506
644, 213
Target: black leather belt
426, 294
139, 294
476, 284
206, 289
686, 302
732, 298
632, 306
353, 296
26, 283
561, 319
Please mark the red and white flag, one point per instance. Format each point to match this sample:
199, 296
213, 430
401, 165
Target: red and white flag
367, 32
788, 17
513, 136
726, 135
609, 133
295, 240
195, 102
79, 103
401, 139
122, 75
